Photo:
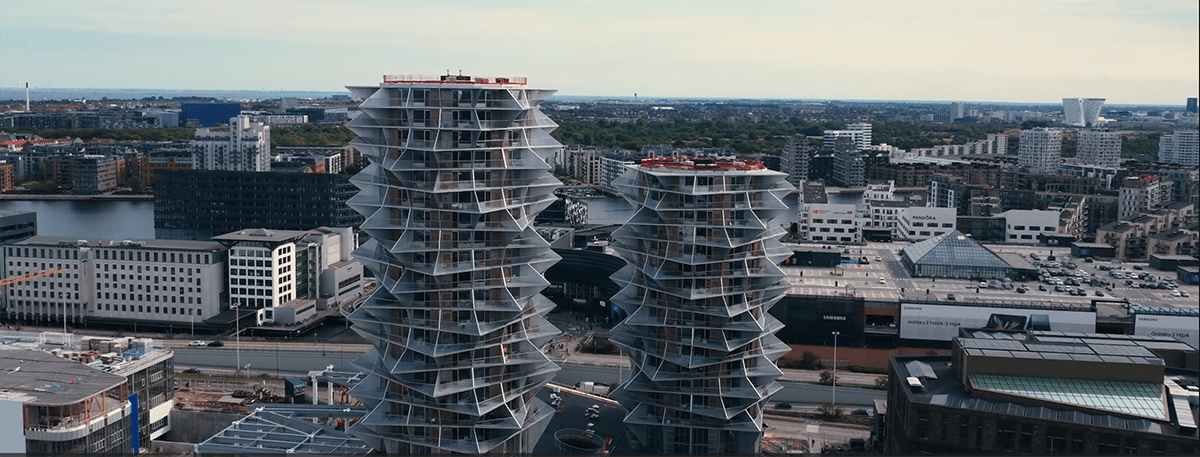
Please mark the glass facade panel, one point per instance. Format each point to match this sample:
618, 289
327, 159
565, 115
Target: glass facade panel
1137, 398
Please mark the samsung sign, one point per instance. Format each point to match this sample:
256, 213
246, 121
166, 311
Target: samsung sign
941, 322
1183, 328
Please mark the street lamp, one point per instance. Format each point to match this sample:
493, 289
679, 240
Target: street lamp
835, 361
237, 334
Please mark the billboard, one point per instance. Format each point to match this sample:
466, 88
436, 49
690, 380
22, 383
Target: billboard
1183, 328
941, 322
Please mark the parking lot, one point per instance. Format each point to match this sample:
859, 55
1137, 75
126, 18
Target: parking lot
884, 278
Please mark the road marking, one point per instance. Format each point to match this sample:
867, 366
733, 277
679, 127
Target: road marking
812, 428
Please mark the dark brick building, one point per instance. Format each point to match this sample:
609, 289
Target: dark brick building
1043, 393
197, 205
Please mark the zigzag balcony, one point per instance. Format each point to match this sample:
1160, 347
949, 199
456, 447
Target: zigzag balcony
641, 416
743, 389
764, 369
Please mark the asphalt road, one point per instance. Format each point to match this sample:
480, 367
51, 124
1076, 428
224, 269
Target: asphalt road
295, 358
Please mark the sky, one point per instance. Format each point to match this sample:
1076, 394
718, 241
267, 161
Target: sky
1127, 51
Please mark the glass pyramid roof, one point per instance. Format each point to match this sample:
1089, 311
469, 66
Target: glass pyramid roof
953, 248
1140, 399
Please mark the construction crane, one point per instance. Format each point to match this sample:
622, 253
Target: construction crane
26, 277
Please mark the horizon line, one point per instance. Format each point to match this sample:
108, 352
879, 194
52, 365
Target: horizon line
617, 97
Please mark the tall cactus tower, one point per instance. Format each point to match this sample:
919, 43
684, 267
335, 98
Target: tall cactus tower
702, 275
457, 173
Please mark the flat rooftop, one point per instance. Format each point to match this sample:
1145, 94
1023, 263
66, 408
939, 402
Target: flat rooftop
52, 380
102, 243
262, 235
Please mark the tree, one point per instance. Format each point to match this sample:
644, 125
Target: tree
827, 378
809, 360
829, 411
881, 382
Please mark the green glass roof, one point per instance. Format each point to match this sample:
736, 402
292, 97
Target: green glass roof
1141, 399
953, 248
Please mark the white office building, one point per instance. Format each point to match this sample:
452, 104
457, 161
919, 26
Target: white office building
1182, 148
830, 223
858, 132
612, 168
923, 222
1099, 148
262, 266
241, 146
147, 280
1040, 149
458, 171
1023, 226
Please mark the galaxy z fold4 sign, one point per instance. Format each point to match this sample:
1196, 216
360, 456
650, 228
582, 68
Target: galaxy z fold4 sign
941, 322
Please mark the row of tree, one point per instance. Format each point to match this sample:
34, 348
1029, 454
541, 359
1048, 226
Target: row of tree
305, 135
753, 137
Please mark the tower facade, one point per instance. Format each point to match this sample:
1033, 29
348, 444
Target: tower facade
794, 159
1081, 112
1040, 149
457, 173
1100, 148
244, 146
1182, 148
702, 274
956, 111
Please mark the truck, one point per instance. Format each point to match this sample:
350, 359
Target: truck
594, 388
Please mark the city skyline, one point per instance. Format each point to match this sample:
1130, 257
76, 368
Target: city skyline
1026, 52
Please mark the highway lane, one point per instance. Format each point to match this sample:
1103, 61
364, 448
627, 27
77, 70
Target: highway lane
284, 358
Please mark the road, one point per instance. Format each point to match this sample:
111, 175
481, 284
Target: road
298, 358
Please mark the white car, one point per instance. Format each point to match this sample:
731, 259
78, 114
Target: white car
197, 344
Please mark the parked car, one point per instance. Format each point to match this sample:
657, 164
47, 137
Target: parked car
1137, 267
860, 412
783, 405
216, 344
1099, 293
950, 297
196, 344
191, 371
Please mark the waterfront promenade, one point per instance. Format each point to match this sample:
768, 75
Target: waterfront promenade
73, 197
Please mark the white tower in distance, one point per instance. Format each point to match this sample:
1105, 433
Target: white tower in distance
457, 173
702, 274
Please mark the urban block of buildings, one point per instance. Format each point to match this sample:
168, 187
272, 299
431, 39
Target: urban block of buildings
285, 277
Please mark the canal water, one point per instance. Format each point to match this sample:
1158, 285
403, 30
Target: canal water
122, 220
